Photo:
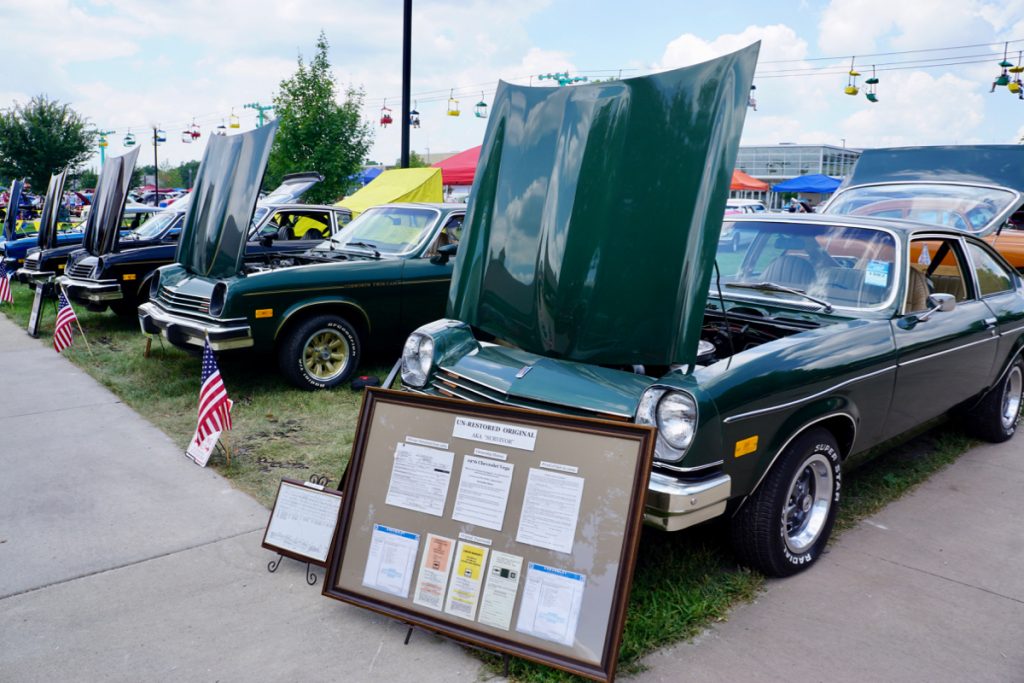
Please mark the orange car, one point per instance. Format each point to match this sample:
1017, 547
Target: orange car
974, 188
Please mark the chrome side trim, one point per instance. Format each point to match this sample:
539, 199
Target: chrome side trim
945, 351
795, 434
783, 406
688, 470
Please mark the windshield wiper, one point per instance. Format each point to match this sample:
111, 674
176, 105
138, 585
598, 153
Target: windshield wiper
773, 287
365, 245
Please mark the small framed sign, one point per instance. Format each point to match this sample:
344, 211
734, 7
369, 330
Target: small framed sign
36, 313
303, 521
505, 528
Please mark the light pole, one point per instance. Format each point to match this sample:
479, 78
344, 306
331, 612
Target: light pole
156, 168
406, 77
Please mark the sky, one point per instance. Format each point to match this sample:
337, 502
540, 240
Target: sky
129, 65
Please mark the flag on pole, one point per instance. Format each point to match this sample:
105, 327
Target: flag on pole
214, 404
5, 285
62, 332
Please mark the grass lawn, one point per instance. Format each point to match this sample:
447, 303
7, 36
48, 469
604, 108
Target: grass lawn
683, 582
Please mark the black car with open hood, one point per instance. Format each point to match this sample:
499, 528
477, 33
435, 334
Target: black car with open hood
102, 228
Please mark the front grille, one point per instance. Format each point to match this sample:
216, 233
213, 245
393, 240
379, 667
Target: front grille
452, 385
81, 271
32, 262
183, 302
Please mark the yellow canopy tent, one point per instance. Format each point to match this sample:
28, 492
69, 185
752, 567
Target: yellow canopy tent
397, 185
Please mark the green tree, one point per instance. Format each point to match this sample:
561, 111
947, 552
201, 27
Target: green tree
317, 133
416, 161
41, 137
86, 177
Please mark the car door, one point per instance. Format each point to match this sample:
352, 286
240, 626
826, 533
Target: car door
425, 283
946, 357
997, 286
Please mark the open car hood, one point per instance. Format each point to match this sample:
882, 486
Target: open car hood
292, 187
596, 213
13, 204
47, 237
103, 226
224, 197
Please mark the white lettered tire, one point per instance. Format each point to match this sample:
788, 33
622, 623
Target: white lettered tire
784, 526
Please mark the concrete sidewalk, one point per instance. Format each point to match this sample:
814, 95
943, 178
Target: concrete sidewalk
122, 561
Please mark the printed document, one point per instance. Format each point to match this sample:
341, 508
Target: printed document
434, 569
464, 591
391, 561
500, 590
419, 479
551, 603
551, 508
483, 492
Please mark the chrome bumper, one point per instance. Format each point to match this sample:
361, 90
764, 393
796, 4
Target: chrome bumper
34, 277
673, 504
99, 291
187, 331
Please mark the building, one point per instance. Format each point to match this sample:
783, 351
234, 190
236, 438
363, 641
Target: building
775, 163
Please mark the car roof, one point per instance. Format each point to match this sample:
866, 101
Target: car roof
898, 225
295, 205
443, 206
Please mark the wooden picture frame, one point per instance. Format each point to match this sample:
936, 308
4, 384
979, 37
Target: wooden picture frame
284, 521
425, 529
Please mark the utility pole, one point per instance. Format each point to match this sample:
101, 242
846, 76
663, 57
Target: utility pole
406, 78
102, 134
259, 109
156, 169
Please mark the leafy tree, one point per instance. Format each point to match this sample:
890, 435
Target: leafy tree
416, 161
317, 133
42, 137
86, 177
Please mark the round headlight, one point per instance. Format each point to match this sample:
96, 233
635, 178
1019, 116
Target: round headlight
417, 359
677, 419
220, 293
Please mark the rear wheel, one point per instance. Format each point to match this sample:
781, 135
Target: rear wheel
784, 526
995, 418
320, 353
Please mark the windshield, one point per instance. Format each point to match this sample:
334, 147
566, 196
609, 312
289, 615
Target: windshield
843, 266
155, 226
970, 208
387, 229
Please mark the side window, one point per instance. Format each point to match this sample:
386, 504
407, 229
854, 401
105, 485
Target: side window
936, 267
307, 225
992, 277
451, 233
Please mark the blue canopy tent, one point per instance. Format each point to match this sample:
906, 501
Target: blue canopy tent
818, 183
368, 174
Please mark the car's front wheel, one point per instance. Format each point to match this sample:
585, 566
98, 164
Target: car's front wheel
320, 353
784, 526
995, 418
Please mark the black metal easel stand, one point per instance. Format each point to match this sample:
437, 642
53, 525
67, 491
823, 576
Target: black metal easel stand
505, 659
274, 564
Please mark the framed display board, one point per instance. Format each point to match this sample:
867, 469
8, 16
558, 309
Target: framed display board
505, 528
36, 312
303, 521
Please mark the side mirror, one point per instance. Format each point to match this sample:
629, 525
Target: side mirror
444, 254
941, 303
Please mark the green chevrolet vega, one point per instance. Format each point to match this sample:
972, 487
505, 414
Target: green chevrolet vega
589, 283
320, 311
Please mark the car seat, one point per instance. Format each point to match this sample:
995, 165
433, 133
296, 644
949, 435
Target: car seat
791, 271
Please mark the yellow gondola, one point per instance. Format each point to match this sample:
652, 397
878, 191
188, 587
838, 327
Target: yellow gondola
453, 104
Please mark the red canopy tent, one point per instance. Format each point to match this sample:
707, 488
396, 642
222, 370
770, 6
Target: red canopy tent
742, 181
460, 168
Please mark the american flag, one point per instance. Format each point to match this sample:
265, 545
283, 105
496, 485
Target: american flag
214, 404
62, 330
5, 285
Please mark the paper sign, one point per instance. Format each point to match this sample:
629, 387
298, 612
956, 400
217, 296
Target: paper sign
391, 561
551, 508
500, 590
464, 591
34, 314
497, 433
483, 492
551, 603
200, 452
303, 521
877, 274
434, 570
419, 479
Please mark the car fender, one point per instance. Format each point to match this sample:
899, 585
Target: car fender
836, 413
325, 303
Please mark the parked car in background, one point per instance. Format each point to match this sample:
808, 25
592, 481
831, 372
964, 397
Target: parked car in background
120, 279
49, 229
974, 188
825, 336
